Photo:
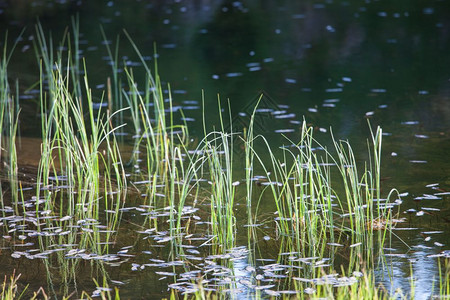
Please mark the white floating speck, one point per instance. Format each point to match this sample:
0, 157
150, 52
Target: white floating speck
65, 218
334, 90
330, 28
432, 185
421, 136
290, 80
329, 105
234, 74
284, 130
418, 161
430, 208
335, 244
428, 11
286, 116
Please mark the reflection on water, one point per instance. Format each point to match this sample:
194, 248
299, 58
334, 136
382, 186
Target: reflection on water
334, 63
414, 267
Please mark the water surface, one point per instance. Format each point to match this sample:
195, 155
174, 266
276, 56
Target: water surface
335, 64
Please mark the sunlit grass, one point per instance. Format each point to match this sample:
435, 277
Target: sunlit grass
9, 122
9, 288
324, 199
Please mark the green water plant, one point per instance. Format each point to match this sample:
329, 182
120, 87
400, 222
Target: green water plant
82, 139
323, 198
9, 288
9, 122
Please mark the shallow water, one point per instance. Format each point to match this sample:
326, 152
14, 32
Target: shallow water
333, 63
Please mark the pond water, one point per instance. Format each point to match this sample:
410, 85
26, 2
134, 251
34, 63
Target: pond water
334, 64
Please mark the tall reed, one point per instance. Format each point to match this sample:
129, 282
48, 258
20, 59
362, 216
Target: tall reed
9, 122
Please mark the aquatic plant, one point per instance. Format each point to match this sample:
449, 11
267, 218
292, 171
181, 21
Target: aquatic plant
10, 289
188, 193
9, 122
312, 213
444, 276
83, 142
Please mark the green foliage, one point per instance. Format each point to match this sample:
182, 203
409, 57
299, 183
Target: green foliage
322, 198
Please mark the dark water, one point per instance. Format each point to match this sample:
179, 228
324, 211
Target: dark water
333, 63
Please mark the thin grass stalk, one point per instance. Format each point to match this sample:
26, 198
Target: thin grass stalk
75, 66
134, 102
116, 100
248, 138
13, 162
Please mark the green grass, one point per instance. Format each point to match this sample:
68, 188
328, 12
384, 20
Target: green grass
9, 288
9, 121
324, 199
321, 198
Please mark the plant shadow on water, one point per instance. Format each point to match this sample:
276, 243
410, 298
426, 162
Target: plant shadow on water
225, 215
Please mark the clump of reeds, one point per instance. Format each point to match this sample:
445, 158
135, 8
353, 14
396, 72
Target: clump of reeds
9, 122
79, 149
322, 198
